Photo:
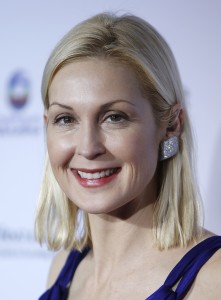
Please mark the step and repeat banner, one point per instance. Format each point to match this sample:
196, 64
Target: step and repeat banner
28, 32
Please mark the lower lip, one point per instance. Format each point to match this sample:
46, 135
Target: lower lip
93, 183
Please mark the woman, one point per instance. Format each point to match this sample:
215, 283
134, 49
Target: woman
119, 194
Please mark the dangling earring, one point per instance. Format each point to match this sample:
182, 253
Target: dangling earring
169, 148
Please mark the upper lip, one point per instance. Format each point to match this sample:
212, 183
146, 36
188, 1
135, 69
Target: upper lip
92, 170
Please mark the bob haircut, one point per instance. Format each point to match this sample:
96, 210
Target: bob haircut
129, 40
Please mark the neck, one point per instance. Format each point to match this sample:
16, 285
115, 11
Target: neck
117, 239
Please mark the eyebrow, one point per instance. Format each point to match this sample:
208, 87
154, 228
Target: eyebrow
61, 105
104, 106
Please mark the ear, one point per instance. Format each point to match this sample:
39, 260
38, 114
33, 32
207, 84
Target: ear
45, 118
175, 125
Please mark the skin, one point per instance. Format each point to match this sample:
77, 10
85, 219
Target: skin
99, 119
106, 123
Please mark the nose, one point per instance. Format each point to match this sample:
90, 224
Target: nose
90, 144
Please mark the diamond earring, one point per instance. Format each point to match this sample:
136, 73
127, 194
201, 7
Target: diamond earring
169, 148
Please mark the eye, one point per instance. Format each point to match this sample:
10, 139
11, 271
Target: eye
64, 120
116, 118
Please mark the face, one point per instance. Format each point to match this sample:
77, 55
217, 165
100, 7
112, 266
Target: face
102, 138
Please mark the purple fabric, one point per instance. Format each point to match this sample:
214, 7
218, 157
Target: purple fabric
184, 272
59, 291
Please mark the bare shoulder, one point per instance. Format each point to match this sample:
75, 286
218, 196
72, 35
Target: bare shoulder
208, 281
211, 275
56, 266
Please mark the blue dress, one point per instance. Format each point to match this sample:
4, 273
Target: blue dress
184, 272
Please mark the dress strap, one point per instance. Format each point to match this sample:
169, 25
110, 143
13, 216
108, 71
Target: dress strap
196, 258
60, 288
72, 262
186, 270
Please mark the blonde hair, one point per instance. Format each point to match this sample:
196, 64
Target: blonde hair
131, 40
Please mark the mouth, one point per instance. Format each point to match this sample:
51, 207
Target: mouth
95, 178
97, 174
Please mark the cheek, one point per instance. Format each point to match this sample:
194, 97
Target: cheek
145, 158
60, 150
140, 153
140, 147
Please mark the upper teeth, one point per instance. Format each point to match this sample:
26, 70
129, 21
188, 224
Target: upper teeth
97, 174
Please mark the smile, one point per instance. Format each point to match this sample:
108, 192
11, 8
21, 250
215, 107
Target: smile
95, 178
97, 175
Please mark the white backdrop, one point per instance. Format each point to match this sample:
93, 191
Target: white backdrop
28, 32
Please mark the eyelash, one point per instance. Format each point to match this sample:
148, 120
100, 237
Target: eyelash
60, 120
123, 117
112, 118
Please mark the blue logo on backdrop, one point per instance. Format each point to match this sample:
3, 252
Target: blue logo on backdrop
18, 89
16, 117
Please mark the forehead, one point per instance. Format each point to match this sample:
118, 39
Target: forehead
90, 86
104, 76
